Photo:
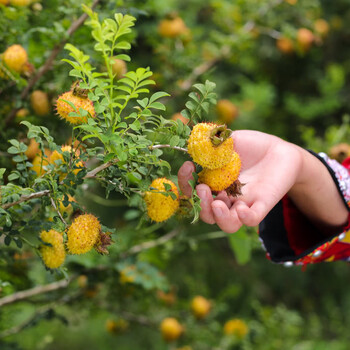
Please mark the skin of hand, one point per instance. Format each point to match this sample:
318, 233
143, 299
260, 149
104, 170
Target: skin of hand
271, 168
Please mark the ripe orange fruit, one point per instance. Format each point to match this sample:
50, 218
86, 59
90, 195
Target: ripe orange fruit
4, 2
227, 111
285, 45
305, 38
200, 306
15, 58
22, 113
179, 116
119, 68
172, 27
171, 329
39, 102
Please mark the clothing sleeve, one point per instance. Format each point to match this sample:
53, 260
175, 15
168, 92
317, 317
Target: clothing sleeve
290, 238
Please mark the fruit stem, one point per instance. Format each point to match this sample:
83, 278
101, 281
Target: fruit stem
168, 146
219, 135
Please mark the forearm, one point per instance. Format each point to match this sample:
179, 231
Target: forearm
317, 196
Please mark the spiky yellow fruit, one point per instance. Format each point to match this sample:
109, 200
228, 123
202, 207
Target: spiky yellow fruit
200, 306
161, 207
222, 178
210, 145
227, 111
20, 3
236, 327
64, 108
15, 58
53, 254
119, 68
39, 102
57, 156
83, 233
172, 27
171, 329
39, 163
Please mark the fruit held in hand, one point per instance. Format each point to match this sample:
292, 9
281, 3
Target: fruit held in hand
83, 233
80, 102
210, 145
200, 306
15, 58
161, 205
171, 329
54, 253
222, 178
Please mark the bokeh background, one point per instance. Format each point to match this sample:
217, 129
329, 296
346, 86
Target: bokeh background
280, 66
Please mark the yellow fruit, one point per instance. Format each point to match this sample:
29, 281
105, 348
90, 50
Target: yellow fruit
68, 209
179, 116
222, 178
83, 234
56, 156
200, 306
33, 149
321, 27
20, 2
236, 327
305, 38
15, 58
161, 207
40, 162
63, 108
172, 28
171, 329
226, 111
4, 2
117, 326
54, 254
119, 68
22, 113
285, 45
210, 145
39, 102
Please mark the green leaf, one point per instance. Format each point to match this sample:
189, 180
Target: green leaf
240, 244
2, 172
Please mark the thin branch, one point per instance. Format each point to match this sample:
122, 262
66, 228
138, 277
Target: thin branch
49, 62
25, 294
168, 146
150, 244
57, 210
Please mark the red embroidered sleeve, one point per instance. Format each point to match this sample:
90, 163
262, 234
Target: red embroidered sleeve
290, 238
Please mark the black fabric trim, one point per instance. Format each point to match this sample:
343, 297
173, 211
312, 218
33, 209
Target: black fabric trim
331, 171
274, 235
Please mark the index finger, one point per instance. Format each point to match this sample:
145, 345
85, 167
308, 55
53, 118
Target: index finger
184, 175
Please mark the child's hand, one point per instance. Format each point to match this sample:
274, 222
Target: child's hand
271, 167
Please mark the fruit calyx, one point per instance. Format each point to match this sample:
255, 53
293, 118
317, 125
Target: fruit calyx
78, 91
219, 134
234, 189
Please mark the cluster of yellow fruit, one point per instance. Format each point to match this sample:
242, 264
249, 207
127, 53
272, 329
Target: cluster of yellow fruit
304, 38
160, 204
77, 97
14, 59
211, 146
82, 235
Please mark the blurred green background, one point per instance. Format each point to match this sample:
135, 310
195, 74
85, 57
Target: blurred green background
280, 79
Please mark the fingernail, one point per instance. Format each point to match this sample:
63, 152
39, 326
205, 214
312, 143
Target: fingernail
201, 193
217, 211
188, 170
